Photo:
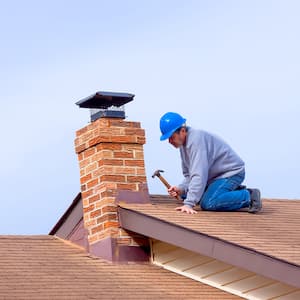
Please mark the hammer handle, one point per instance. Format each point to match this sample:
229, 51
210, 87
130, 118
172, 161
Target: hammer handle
165, 182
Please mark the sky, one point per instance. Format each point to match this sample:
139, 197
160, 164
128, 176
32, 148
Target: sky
229, 67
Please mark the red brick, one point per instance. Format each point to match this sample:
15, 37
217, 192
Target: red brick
132, 147
103, 122
109, 209
136, 178
107, 201
139, 155
109, 146
99, 139
103, 170
85, 202
110, 224
107, 217
141, 140
96, 229
112, 231
95, 213
92, 183
81, 131
89, 208
134, 131
90, 223
91, 167
135, 163
86, 178
86, 217
89, 152
80, 148
122, 123
112, 178
94, 198
123, 154
127, 186
140, 171
108, 193
123, 139
117, 122
125, 170
86, 194
84, 163
103, 154
108, 185
112, 162
84, 138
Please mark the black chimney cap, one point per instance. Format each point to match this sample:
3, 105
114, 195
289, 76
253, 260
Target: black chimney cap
104, 100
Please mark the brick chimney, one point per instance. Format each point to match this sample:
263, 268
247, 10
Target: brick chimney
111, 159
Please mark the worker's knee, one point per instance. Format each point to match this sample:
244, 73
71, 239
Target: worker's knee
208, 204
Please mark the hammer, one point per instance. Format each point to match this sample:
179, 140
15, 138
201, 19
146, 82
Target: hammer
163, 180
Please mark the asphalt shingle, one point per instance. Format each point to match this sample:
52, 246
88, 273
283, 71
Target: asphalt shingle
46, 267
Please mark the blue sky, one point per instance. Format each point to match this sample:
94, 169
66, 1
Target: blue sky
229, 67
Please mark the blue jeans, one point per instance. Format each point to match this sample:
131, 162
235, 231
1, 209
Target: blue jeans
221, 194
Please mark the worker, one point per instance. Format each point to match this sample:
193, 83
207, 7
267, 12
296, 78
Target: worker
212, 170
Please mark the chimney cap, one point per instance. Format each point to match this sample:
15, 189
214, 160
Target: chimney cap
104, 100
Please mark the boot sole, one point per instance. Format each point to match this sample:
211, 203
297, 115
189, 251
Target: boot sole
258, 204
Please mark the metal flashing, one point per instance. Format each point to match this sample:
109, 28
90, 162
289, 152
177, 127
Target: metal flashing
72, 216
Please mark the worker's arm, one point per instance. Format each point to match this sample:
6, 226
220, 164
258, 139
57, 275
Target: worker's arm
197, 157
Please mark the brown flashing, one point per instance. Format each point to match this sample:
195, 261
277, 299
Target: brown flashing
111, 251
127, 196
207, 245
66, 215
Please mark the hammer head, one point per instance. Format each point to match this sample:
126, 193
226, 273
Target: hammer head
157, 173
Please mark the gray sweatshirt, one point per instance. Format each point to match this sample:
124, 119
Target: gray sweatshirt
205, 157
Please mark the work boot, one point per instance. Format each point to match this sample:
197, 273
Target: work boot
255, 201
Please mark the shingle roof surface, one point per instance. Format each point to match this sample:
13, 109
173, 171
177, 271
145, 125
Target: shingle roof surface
45, 267
274, 231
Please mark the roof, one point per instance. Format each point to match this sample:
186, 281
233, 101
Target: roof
47, 267
267, 243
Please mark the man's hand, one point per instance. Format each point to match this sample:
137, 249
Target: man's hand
185, 208
174, 191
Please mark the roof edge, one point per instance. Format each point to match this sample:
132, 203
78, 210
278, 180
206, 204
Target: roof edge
210, 246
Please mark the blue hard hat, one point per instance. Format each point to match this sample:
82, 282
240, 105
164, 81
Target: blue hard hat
169, 123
